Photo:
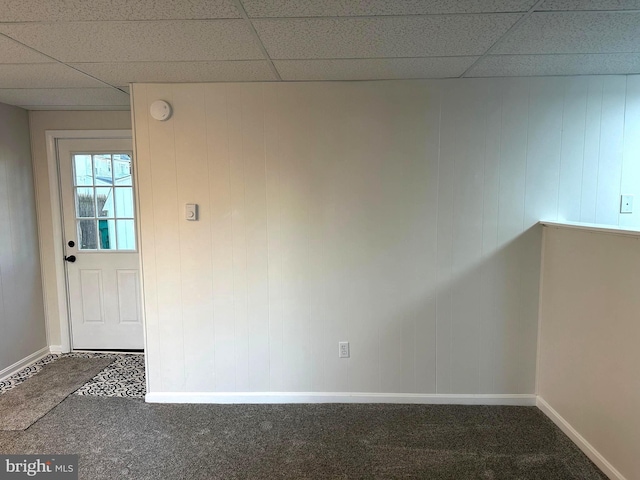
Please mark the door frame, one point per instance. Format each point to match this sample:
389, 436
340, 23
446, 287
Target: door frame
55, 198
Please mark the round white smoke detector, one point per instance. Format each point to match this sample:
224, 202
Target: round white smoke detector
160, 110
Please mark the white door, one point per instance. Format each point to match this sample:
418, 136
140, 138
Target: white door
103, 277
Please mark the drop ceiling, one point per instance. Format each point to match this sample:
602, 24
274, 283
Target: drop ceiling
82, 54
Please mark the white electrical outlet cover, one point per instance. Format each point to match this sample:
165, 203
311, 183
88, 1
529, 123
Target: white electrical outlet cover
626, 204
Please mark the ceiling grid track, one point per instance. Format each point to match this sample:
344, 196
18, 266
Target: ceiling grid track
60, 62
503, 37
243, 14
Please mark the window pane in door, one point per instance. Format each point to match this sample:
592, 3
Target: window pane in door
126, 235
84, 202
107, 234
124, 202
122, 169
102, 167
82, 174
87, 235
104, 202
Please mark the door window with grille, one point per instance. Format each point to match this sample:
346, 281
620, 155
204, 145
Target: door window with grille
104, 207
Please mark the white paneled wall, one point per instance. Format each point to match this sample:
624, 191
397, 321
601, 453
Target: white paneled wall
396, 215
22, 323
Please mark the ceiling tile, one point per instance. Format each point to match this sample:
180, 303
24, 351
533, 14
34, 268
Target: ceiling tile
574, 32
373, 68
64, 97
541, 65
81, 10
43, 75
229, 71
443, 35
590, 5
345, 8
13, 52
139, 41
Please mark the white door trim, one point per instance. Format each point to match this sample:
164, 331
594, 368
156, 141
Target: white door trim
60, 287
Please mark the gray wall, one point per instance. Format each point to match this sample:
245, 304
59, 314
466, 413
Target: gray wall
22, 320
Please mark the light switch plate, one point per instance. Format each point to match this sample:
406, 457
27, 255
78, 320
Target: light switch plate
191, 212
626, 204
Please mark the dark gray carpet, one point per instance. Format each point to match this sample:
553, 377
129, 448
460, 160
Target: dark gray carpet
24, 404
126, 438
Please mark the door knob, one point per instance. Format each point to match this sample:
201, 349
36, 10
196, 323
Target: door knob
70, 258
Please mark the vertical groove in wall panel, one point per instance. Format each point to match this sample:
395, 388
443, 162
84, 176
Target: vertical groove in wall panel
168, 215
216, 104
630, 184
238, 229
292, 357
591, 150
383, 210
418, 328
611, 145
295, 147
452, 113
317, 180
273, 171
147, 243
468, 191
395, 180
544, 149
573, 144
513, 162
546, 107
335, 228
253, 149
354, 194
189, 121
491, 188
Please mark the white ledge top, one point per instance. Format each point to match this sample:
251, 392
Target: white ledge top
594, 227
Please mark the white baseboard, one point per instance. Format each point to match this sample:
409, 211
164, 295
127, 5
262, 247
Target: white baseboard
115, 352
20, 364
322, 397
56, 349
579, 440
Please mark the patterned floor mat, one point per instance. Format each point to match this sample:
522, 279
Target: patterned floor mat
125, 377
